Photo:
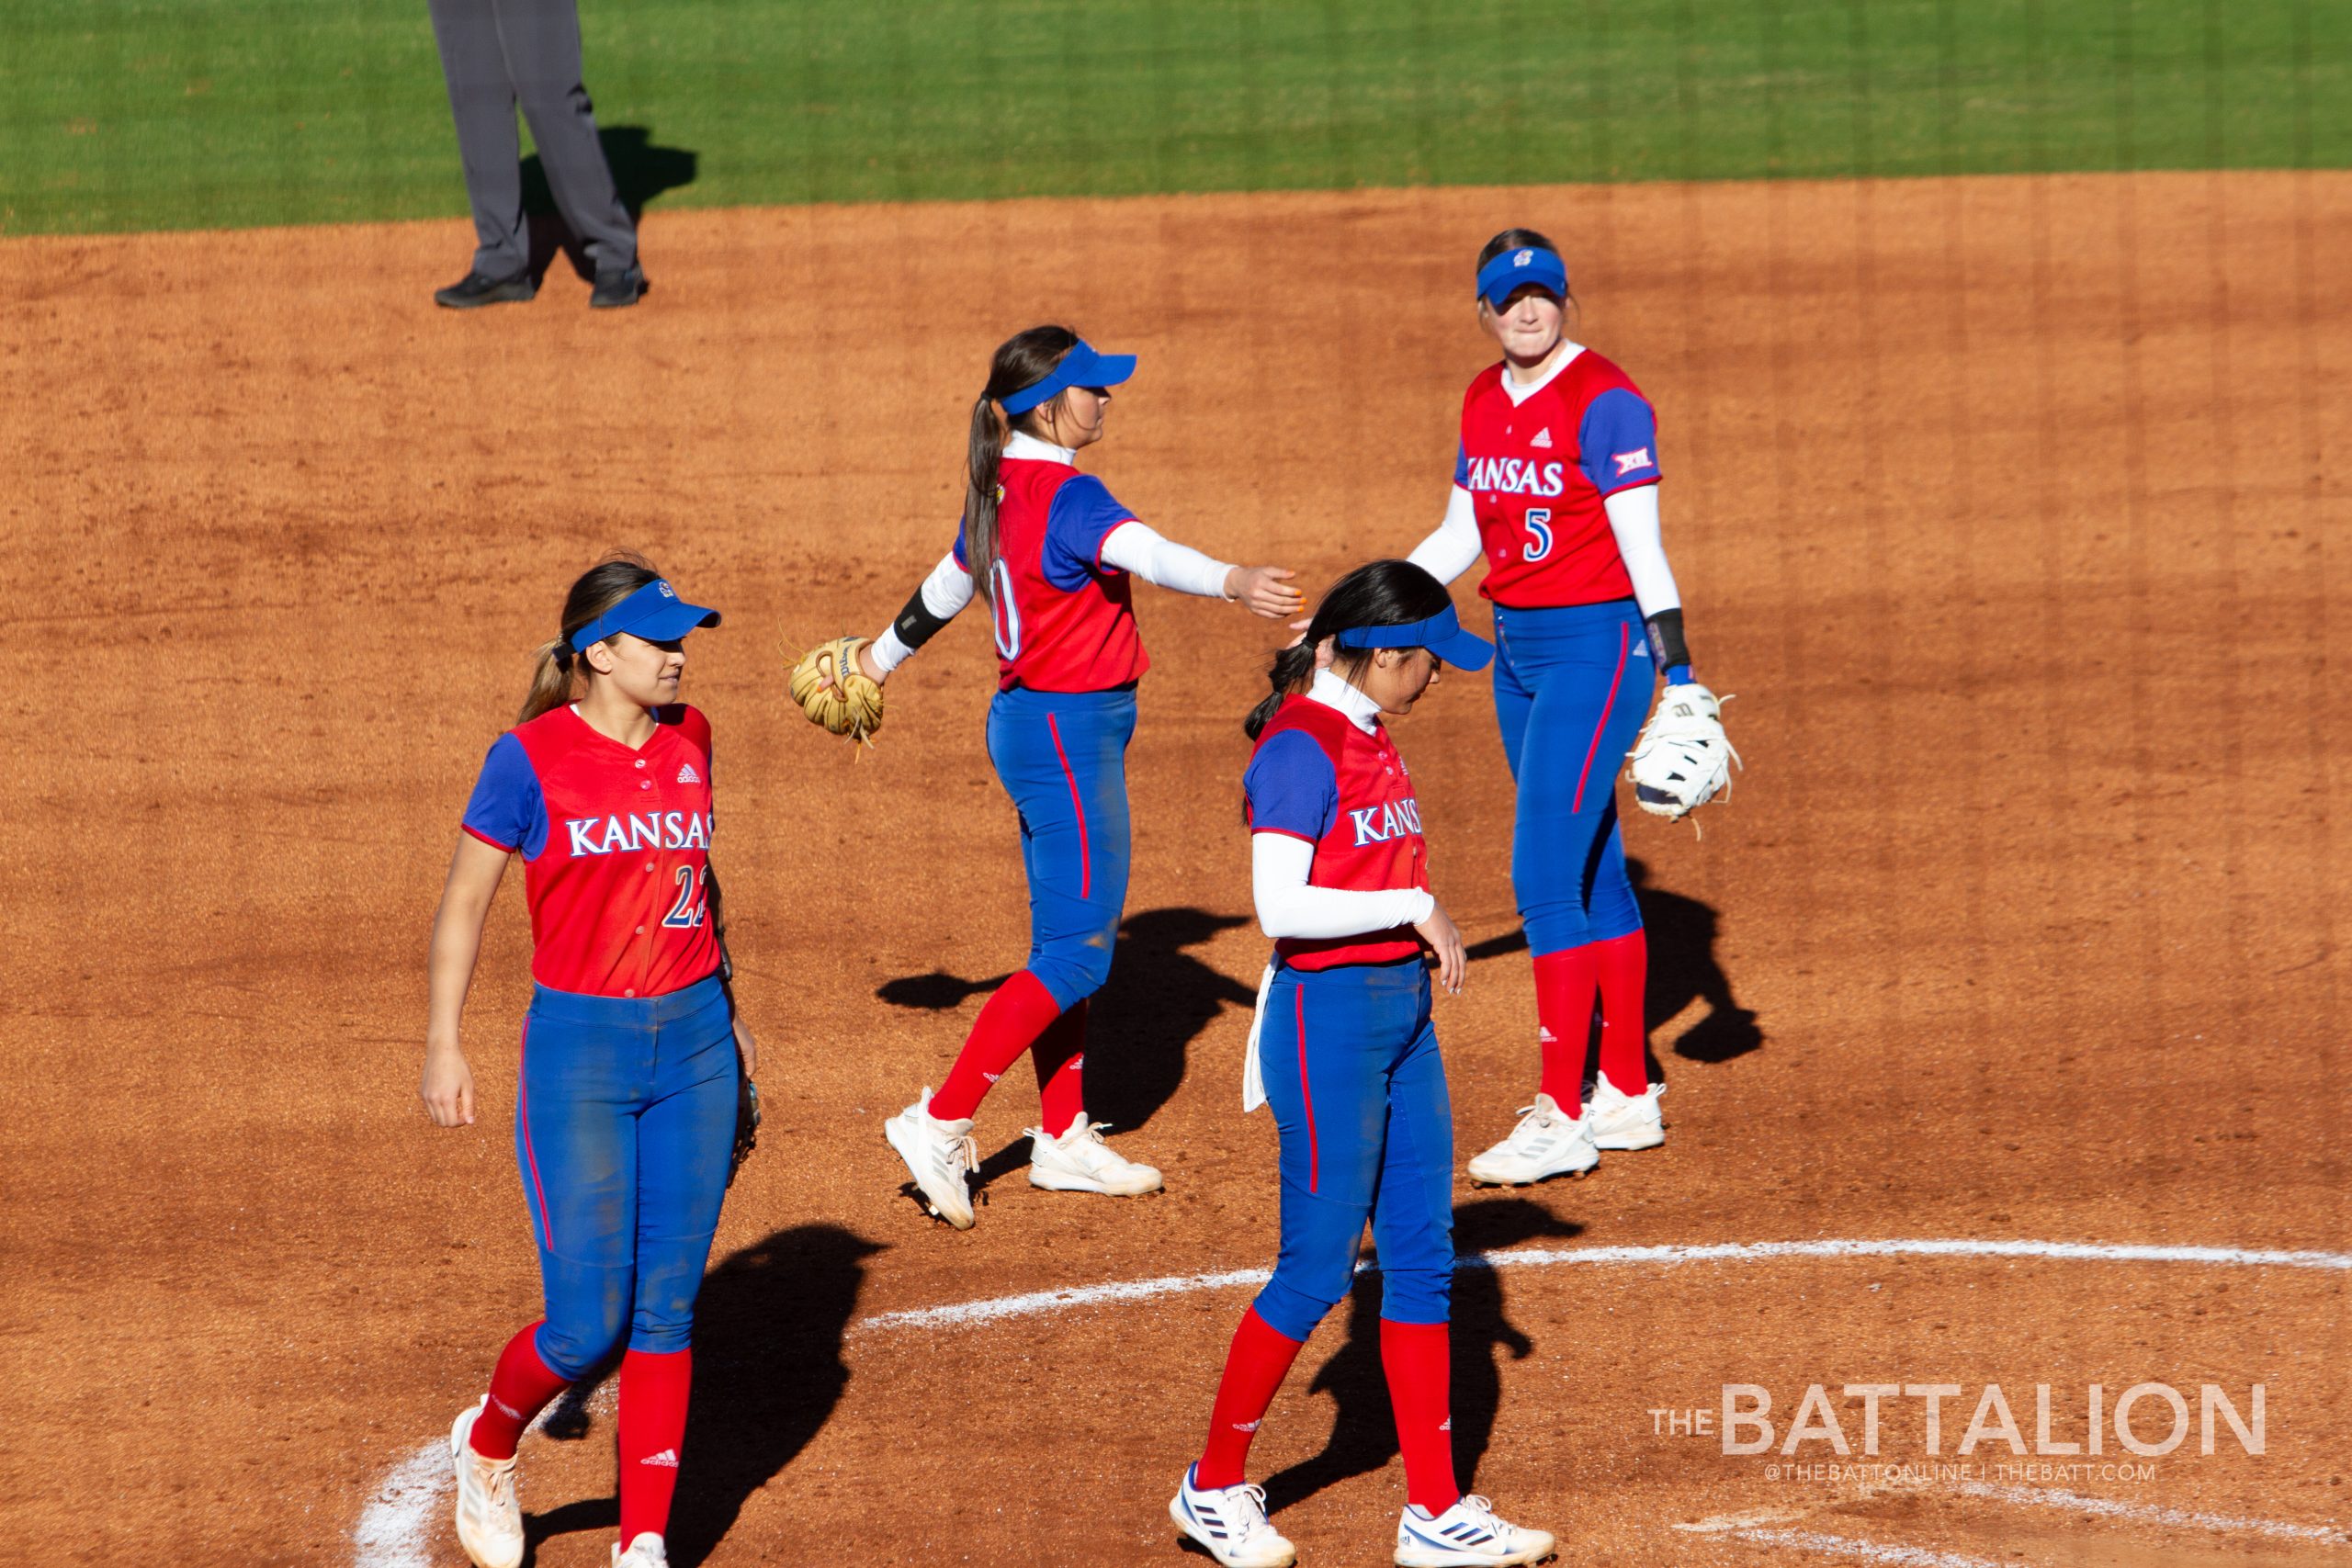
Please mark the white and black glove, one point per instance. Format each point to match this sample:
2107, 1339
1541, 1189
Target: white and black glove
1683, 759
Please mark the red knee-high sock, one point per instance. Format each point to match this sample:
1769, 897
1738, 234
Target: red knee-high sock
654, 1386
1010, 1022
1254, 1369
1059, 1056
1624, 966
519, 1390
1414, 1355
1564, 987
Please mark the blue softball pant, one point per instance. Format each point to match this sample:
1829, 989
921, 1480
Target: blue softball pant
624, 1128
1572, 686
1349, 1061
1062, 757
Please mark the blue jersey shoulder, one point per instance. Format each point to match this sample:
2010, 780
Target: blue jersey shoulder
508, 809
1082, 515
1292, 786
1617, 441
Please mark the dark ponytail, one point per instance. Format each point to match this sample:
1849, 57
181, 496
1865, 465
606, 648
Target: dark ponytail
595, 591
1021, 360
1378, 593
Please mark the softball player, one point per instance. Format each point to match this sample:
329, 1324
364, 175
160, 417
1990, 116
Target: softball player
1556, 485
1345, 1052
624, 1107
1050, 551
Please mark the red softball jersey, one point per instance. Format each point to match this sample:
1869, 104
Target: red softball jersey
615, 847
1064, 621
1317, 776
1539, 470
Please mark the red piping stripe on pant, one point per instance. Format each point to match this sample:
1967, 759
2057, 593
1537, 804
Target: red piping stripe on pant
1085, 856
1625, 642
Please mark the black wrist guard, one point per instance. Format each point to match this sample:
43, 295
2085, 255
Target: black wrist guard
916, 625
1667, 645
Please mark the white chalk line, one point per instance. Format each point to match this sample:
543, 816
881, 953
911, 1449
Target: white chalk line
395, 1529
398, 1522
964, 1314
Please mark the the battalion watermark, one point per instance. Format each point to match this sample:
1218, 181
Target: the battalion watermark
2080, 1434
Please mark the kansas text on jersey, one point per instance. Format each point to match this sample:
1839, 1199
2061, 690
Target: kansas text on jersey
1539, 471
615, 847
1317, 776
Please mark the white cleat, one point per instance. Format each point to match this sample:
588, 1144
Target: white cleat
490, 1522
1621, 1121
1230, 1522
1079, 1161
940, 1156
645, 1552
1544, 1143
1467, 1535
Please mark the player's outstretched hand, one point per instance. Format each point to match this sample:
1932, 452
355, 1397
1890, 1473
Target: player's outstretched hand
1265, 591
448, 1087
1444, 941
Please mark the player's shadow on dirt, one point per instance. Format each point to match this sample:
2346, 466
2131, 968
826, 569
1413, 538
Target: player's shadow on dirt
641, 170
1160, 997
1683, 970
1364, 1426
768, 1373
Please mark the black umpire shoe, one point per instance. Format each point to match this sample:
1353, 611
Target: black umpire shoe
475, 289
622, 286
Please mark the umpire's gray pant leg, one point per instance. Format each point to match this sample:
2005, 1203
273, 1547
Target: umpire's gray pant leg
542, 44
482, 101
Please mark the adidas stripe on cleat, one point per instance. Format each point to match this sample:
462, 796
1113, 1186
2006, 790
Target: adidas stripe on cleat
1545, 1143
1466, 1536
1229, 1524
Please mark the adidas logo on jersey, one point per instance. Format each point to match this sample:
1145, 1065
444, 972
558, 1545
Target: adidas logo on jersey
687, 773
1446, 1425
1641, 648
1542, 438
666, 1460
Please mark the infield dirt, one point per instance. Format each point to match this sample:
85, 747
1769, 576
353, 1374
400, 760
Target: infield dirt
2006, 507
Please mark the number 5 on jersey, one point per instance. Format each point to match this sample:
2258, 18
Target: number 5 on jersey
1539, 533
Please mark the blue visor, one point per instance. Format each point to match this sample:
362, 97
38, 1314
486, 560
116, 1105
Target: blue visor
1514, 270
1081, 367
1441, 633
655, 613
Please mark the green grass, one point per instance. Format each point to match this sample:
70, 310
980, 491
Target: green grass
152, 114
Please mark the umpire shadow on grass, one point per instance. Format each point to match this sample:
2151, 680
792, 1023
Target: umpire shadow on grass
768, 1373
1364, 1426
641, 170
1683, 970
1159, 999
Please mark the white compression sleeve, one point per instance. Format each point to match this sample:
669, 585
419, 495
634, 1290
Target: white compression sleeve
1288, 906
1452, 546
1139, 547
1633, 517
945, 593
